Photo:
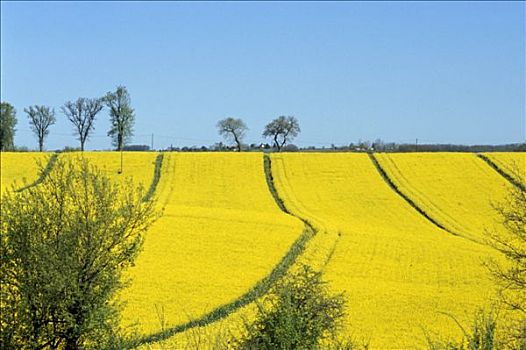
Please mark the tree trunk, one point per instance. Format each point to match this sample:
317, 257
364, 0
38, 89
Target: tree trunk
282, 144
119, 142
237, 143
82, 145
276, 143
41, 145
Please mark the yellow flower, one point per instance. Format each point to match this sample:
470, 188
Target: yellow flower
220, 233
20, 168
399, 271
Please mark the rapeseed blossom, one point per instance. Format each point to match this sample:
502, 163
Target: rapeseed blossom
18, 167
399, 272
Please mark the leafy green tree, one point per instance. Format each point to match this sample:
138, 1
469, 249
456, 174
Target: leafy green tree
7, 126
232, 130
65, 245
299, 313
122, 116
40, 119
81, 114
282, 130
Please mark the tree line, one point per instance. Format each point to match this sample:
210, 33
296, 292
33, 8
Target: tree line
81, 113
280, 131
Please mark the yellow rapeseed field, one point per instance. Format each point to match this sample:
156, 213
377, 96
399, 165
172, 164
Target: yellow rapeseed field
138, 166
513, 163
19, 166
220, 233
457, 189
400, 273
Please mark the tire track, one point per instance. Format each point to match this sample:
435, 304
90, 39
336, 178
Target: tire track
257, 291
503, 173
408, 200
156, 178
43, 174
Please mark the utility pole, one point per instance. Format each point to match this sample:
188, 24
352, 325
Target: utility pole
152, 141
416, 145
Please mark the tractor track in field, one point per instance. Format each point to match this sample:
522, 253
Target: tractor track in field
408, 200
156, 178
54, 157
502, 172
257, 291
43, 174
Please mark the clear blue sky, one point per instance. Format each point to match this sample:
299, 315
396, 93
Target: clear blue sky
441, 72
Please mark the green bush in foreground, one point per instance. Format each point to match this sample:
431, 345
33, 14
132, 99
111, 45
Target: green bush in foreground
299, 313
64, 246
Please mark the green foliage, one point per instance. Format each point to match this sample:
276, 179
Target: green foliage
7, 126
282, 130
232, 130
65, 244
481, 336
299, 313
122, 116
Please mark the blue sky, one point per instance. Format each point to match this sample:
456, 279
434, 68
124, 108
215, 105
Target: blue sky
442, 72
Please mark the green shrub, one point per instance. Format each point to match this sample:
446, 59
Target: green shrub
65, 244
299, 313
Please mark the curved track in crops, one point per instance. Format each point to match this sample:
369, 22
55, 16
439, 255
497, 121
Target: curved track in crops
257, 291
156, 177
405, 197
49, 166
501, 172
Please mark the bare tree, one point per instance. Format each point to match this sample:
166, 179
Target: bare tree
282, 130
122, 116
81, 114
232, 129
40, 119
